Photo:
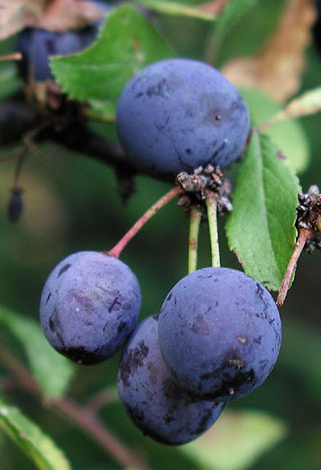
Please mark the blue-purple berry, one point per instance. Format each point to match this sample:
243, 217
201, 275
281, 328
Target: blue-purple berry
37, 46
179, 114
156, 405
219, 333
89, 306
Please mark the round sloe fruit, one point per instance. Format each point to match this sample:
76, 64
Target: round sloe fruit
37, 45
153, 401
219, 333
178, 114
89, 306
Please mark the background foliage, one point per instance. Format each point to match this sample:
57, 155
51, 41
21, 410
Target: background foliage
71, 204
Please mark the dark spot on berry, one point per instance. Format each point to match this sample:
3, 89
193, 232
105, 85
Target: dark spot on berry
81, 355
121, 326
132, 361
64, 269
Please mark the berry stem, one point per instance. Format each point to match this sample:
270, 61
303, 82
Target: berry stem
118, 248
15, 56
101, 399
304, 236
195, 220
81, 417
211, 204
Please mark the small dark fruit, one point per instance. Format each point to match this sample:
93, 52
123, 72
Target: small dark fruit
179, 114
37, 46
219, 333
89, 306
153, 401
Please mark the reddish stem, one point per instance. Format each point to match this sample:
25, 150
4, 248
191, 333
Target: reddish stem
15, 56
304, 236
82, 417
118, 248
101, 399
89, 423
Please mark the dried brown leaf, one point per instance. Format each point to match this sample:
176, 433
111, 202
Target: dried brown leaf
18, 14
54, 15
278, 68
216, 7
66, 15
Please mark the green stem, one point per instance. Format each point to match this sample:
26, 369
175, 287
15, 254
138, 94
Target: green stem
195, 220
211, 204
118, 248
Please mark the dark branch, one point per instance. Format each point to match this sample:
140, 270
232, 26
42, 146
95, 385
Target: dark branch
18, 120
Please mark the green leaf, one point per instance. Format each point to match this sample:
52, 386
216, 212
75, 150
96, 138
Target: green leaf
9, 82
2, 441
101, 110
33, 442
260, 229
300, 347
52, 371
289, 135
236, 440
178, 9
232, 12
126, 44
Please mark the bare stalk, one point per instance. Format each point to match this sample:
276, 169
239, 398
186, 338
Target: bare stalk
15, 56
195, 220
211, 203
304, 236
101, 399
82, 417
118, 248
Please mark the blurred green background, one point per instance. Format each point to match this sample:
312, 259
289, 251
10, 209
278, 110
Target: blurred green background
72, 203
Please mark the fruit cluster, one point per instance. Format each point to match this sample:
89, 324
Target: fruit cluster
217, 338
218, 333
